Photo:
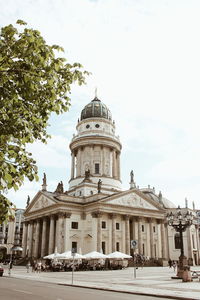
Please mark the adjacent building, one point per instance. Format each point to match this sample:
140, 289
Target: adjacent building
11, 233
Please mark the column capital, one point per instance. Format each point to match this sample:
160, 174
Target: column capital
112, 216
149, 220
60, 214
67, 215
126, 217
96, 214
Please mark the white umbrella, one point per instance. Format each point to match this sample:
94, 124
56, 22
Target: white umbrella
68, 255
118, 255
52, 256
95, 255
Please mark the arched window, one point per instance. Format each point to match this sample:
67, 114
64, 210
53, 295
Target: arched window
177, 241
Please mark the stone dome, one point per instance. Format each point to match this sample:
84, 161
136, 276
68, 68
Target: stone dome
96, 109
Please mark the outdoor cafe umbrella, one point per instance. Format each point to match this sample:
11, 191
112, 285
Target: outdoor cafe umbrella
68, 255
95, 255
52, 256
118, 255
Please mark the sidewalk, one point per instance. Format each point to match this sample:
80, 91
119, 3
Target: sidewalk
150, 281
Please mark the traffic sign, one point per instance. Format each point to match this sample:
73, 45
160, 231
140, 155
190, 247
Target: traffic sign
134, 244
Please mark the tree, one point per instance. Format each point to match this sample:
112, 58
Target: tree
34, 82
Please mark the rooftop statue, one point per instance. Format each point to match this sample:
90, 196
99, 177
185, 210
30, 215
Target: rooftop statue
132, 176
99, 186
59, 188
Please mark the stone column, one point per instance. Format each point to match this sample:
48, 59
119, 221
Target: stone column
98, 215
189, 243
72, 165
113, 164
167, 241
197, 243
139, 235
152, 254
66, 217
37, 239
24, 239
127, 233
52, 235
80, 161
59, 221
99, 237
44, 233
113, 217
30, 238
118, 166
104, 162
135, 231
92, 159
163, 240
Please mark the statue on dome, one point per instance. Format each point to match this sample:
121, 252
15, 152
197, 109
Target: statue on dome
99, 186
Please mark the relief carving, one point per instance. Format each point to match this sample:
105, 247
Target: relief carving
132, 201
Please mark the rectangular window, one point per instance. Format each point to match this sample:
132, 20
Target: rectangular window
74, 225
96, 166
74, 247
103, 224
117, 246
142, 228
193, 242
155, 254
103, 247
154, 228
143, 249
117, 226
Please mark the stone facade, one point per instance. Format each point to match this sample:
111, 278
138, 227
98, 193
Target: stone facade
95, 214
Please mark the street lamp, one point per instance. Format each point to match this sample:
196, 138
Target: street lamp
180, 221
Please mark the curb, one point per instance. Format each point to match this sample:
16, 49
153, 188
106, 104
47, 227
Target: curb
127, 292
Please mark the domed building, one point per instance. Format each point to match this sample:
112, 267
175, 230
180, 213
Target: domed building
95, 214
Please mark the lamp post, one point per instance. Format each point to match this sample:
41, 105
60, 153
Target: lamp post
180, 221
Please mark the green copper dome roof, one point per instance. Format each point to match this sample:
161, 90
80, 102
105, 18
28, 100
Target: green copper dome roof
96, 109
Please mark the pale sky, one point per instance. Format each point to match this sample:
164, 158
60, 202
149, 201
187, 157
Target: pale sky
145, 60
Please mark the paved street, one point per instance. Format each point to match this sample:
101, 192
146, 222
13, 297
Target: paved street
17, 289
150, 281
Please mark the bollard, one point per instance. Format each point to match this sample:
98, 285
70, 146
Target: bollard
186, 275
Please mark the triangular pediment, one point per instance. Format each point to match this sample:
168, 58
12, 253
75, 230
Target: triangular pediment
132, 200
39, 202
